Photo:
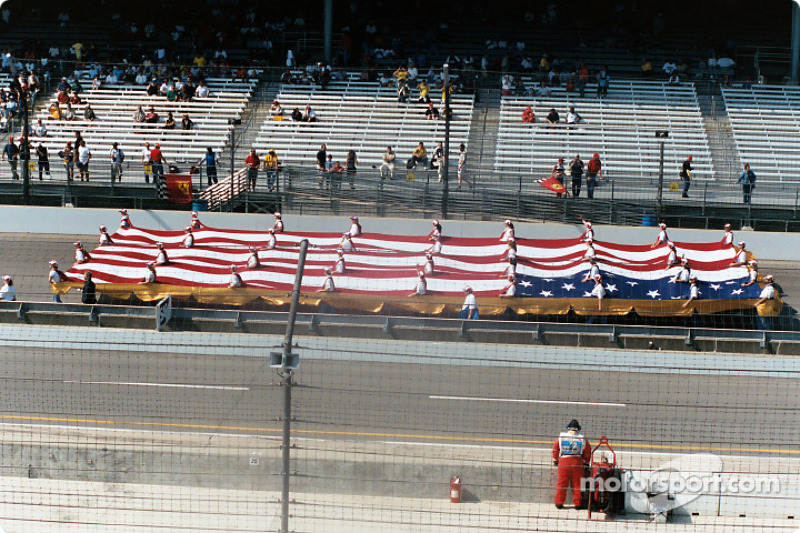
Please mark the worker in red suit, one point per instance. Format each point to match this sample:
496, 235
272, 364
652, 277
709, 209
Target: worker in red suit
571, 452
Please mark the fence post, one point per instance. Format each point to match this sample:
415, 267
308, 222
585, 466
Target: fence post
519, 198
705, 195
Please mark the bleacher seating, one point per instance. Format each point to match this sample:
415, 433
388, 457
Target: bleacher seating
115, 106
620, 127
360, 116
765, 122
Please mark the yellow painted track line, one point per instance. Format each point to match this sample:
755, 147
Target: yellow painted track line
449, 438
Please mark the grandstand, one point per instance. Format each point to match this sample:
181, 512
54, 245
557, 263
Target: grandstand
360, 116
620, 127
115, 106
765, 121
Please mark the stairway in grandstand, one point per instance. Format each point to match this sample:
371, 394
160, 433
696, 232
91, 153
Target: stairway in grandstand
620, 127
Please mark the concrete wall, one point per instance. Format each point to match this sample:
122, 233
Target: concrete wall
73, 221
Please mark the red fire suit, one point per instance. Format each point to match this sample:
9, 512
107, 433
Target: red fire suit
571, 451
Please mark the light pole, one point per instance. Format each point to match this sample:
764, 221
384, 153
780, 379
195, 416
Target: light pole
233, 122
24, 150
444, 162
286, 363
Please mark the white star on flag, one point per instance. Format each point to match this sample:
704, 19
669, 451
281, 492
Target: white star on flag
676, 297
730, 283
611, 288
632, 283
568, 286
548, 280
587, 294
737, 291
546, 294
716, 286
672, 280
654, 294
525, 284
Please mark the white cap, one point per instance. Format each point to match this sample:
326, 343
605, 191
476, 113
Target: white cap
353, 217
741, 243
693, 278
270, 230
277, 214
340, 251
123, 211
662, 226
327, 270
768, 277
53, 263
150, 264
753, 262
588, 224
467, 288
187, 228
597, 277
727, 226
671, 244
684, 260
194, 213
507, 222
78, 244
252, 249
102, 227
435, 222
233, 268
6, 278
159, 244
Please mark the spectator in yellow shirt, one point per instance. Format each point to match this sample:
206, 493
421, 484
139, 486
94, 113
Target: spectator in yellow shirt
271, 166
420, 155
424, 92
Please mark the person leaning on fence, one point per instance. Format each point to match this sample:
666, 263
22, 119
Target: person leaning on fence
146, 165
748, 181
322, 158
686, 176
157, 162
387, 167
594, 170
11, 154
252, 162
117, 156
270, 166
211, 161
44, 161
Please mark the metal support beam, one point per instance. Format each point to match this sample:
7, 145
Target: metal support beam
445, 161
795, 42
328, 31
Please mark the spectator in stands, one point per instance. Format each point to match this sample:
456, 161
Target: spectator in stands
69, 113
138, 115
275, 109
297, 116
558, 173
188, 90
151, 117
55, 111
171, 94
202, 90
152, 88
117, 156
748, 181
403, 91
686, 176
11, 154
424, 92
186, 122
44, 161
576, 172
84, 156
169, 123
62, 97
420, 155
322, 156
543, 91
157, 162
145, 160
112, 79
96, 83
88, 113
387, 167
211, 162
647, 68
270, 165
431, 113
573, 117
63, 86
747, 84
462, 163
583, 79
252, 162
67, 155
528, 117
437, 159
594, 170
351, 164
603, 81
335, 170
310, 115
552, 117
38, 129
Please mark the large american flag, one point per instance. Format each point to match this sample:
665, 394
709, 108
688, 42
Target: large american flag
388, 265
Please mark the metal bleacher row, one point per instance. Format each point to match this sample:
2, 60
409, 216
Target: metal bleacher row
360, 116
765, 122
620, 127
115, 105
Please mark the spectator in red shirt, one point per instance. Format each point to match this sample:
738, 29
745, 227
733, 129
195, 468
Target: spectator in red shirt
252, 162
528, 116
593, 169
157, 162
583, 79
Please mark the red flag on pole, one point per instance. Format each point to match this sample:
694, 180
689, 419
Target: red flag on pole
552, 184
179, 188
